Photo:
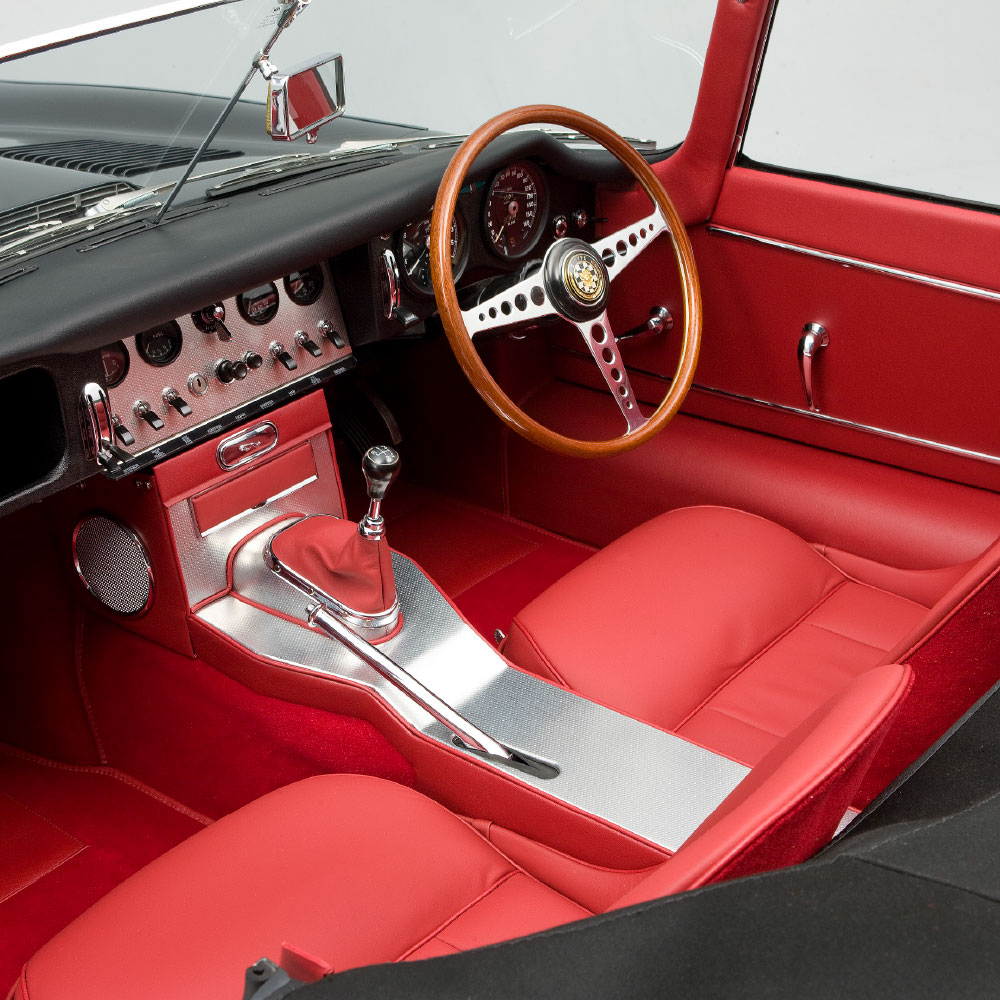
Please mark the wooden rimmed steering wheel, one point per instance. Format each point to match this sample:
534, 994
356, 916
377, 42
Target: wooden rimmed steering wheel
574, 283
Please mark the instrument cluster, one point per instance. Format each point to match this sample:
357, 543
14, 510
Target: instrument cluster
499, 223
199, 374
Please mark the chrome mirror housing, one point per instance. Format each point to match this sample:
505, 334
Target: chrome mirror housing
300, 101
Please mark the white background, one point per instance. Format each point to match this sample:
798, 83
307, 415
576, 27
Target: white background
447, 64
898, 92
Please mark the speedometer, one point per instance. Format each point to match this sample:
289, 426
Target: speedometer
514, 210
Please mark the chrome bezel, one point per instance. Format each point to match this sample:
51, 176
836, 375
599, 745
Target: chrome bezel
142, 549
245, 435
372, 627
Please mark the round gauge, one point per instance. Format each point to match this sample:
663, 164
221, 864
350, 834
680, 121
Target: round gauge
514, 210
160, 345
115, 359
259, 305
415, 252
306, 286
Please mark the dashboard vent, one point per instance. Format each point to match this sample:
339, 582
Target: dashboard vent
102, 156
59, 209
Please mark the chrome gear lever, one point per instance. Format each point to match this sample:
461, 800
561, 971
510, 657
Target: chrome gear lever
380, 466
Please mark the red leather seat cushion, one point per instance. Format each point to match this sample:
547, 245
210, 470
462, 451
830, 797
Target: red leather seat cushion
712, 622
348, 869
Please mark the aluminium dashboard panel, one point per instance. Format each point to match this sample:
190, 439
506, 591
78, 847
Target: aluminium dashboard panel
190, 369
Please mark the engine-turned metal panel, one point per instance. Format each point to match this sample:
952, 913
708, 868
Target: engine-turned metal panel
200, 352
650, 782
203, 557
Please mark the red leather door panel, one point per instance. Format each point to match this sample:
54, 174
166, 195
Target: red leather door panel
907, 356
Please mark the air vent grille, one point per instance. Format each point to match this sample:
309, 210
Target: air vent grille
101, 156
60, 209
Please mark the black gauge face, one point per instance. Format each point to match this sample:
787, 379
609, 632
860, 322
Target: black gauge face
115, 359
306, 286
514, 210
160, 345
415, 253
259, 305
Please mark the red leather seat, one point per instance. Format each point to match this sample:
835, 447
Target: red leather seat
348, 870
714, 623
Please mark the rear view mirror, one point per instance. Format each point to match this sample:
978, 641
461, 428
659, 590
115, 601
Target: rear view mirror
306, 97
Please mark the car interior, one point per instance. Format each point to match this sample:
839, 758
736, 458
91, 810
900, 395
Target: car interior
622, 526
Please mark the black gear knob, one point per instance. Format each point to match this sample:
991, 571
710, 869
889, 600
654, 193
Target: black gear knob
380, 465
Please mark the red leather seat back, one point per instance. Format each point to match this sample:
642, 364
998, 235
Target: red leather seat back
792, 801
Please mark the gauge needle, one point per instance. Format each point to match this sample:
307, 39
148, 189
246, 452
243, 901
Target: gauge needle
416, 262
496, 239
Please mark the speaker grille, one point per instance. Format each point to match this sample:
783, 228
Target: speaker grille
113, 565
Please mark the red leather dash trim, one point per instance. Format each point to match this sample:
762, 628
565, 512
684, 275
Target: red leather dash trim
252, 488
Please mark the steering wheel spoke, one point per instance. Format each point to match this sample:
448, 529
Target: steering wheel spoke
601, 344
621, 248
526, 300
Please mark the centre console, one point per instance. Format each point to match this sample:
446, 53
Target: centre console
429, 680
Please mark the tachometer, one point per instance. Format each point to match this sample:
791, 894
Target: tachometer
514, 210
415, 255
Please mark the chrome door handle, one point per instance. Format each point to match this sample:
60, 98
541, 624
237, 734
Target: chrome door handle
814, 337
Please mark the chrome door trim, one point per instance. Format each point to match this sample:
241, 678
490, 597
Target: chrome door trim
961, 288
882, 432
104, 26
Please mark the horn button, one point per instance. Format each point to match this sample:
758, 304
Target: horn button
576, 280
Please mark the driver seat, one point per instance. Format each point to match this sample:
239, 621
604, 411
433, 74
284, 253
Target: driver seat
729, 630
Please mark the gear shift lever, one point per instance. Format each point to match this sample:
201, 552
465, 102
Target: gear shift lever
380, 466
346, 567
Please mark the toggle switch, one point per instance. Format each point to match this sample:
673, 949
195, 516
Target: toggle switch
278, 352
308, 344
172, 398
144, 412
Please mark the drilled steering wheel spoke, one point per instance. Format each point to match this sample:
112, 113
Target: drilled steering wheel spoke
600, 342
621, 248
527, 300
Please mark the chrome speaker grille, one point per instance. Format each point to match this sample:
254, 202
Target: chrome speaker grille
113, 564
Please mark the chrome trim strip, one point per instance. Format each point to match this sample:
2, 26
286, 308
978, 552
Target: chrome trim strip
865, 265
883, 432
104, 26
243, 513
372, 627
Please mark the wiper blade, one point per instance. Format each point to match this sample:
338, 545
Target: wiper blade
297, 164
648, 144
130, 199
43, 232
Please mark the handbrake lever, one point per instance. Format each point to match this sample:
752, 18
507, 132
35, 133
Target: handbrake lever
466, 733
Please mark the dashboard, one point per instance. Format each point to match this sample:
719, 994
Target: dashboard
235, 305
502, 223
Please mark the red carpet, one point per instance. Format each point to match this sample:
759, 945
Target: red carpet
205, 739
490, 565
68, 835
